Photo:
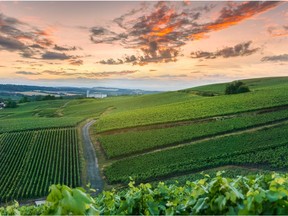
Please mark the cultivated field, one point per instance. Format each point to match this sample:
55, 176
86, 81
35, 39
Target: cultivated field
195, 133
165, 136
31, 161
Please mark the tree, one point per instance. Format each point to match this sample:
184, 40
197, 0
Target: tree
11, 104
236, 87
49, 97
24, 99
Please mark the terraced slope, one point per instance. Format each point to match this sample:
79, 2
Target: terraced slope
147, 137
198, 133
195, 108
132, 142
246, 148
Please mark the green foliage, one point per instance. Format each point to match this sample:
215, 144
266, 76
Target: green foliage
48, 114
63, 200
139, 141
244, 195
24, 99
253, 84
11, 104
246, 148
205, 94
24, 124
194, 108
34, 160
139, 110
50, 97
15, 209
67, 113
46, 97
200, 93
236, 87
229, 171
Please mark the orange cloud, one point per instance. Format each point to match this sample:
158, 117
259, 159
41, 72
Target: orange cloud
235, 14
198, 36
161, 27
160, 33
48, 32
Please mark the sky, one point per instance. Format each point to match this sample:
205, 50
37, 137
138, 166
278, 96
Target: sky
141, 45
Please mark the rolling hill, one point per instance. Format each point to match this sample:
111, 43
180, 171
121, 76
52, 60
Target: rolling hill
164, 136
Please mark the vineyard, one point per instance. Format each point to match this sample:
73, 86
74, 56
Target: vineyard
229, 171
23, 124
31, 161
195, 108
168, 136
129, 143
180, 138
39, 115
246, 148
69, 113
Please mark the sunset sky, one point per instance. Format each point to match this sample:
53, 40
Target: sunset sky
147, 45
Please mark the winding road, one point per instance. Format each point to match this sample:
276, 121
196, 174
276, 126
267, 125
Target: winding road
92, 167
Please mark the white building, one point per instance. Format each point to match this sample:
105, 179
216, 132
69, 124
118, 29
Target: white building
95, 95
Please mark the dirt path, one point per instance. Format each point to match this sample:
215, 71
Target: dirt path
92, 167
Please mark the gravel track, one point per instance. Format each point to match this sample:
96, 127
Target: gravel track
92, 167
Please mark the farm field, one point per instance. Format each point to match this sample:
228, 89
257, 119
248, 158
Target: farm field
165, 136
68, 113
181, 138
129, 143
31, 161
40, 115
246, 148
254, 84
131, 111
143, 108
195, 108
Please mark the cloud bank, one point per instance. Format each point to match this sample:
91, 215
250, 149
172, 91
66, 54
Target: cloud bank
160, 32
241, 49
275, 58
91, 75
30, 41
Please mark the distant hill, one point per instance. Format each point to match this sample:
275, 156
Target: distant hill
23, 88
119, 91
16, 91
166, 137
253, 84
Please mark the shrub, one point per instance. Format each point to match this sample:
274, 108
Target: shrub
11, 104
236, 87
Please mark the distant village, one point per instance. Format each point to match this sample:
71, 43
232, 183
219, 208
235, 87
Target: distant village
95, 95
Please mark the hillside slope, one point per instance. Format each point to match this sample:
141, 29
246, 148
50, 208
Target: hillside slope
165, 136
191, 133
